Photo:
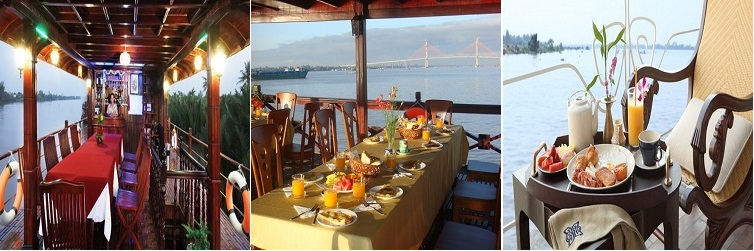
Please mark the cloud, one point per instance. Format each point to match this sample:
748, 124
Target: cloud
383, 44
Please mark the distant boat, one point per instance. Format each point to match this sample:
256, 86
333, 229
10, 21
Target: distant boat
284, 74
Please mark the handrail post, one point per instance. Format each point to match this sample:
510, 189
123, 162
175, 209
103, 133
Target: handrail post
213, 137
190, 139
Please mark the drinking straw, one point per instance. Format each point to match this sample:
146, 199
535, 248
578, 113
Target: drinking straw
636, 85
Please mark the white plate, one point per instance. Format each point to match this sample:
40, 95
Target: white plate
318, 177
368, 142
322, 185
640, 162
422, 165
607, 153
374, 190
435, 147
345, 211
438, 131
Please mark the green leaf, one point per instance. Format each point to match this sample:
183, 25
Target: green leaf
594, 80
596, 31
620, 36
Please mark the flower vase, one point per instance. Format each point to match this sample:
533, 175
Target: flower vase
607, 132
390, 135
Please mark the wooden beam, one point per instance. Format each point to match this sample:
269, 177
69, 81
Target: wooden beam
216, 14
304, 4
161, 42
78, 16
109, 47
261, 5
31, 149
213, 137
165, 17
125, 4
332, 3
358, 30
97, 20
122, 31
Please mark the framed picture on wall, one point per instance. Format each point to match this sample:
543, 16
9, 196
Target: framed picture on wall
134, 83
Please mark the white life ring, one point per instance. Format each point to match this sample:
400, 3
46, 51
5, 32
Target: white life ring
11, 169
237, 178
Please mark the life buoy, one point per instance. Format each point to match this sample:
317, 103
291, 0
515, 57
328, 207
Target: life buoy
11, 169
237, 178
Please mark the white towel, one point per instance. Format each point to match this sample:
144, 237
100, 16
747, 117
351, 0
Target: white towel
300, 209
401, 173
362, 208
569, 228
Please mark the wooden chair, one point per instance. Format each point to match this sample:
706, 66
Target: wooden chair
455, 235
128, 179
719, 77
324, 121
349, 123
286, 100
131, 157
51, 152
65, 144
129, 204
266, 163
482, 171
64, 223
281, 119
302, 154
439, 108
75, 138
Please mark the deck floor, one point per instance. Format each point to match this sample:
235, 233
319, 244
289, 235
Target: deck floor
692, 236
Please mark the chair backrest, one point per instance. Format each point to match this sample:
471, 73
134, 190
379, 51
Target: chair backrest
266, 163
280, 118
75, 138
310, 135
327, 138
414, 112
51, 152
63, 215
286, 100
144, 174
140, 147
439, 108
65, 144
349, 123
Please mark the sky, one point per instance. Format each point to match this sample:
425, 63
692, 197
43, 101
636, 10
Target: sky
291, 44
570, 22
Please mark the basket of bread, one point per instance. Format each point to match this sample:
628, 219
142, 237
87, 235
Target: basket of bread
365, 164
410, 129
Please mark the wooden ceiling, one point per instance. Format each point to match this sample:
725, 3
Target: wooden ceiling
270, 11
154, 33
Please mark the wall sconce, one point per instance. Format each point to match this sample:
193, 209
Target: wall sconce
80, 71
175, 75
88, 83
197, 62
166, 86
54, 56
23, 56
218, 63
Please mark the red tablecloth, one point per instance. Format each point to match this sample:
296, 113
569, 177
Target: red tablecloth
92, 164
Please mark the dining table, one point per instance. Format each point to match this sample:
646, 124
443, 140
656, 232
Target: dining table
406, 221
95, 166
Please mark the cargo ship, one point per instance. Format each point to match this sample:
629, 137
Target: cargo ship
284, 74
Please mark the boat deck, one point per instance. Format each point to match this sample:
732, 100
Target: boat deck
692, 236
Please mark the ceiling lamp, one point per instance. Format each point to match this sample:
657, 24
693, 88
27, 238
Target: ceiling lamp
218, 63
198, 62
54, 56
125, 59
175, 75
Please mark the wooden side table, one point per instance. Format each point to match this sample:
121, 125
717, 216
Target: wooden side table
644, 197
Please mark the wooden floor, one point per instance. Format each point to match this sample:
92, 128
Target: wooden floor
691, 237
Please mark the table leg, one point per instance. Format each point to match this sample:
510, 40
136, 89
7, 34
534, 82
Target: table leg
670, 223
522, 231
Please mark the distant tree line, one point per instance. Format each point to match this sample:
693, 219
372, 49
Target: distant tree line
6, 97
528, 43
302, 67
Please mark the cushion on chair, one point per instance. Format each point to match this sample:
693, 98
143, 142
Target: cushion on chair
128, 166
128, 178
679, 141
126, 200
130, 157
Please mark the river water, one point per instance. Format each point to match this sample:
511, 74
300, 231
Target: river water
535, 108
51, 116
466, 85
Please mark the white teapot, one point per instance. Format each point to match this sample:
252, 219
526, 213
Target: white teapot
582, 119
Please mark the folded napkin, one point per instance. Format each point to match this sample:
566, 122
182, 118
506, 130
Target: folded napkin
288, 191
362, 208
300, 209
569, 228
401, 173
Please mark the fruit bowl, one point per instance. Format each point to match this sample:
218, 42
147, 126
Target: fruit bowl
366, 169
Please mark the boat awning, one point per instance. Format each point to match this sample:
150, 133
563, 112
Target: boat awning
158, 35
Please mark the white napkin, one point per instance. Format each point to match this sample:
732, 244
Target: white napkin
362, 208
300, 209
288, 191
401, 173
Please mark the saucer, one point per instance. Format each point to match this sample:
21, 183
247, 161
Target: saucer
640, 162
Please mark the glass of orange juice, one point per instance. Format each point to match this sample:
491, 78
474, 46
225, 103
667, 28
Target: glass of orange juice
426, 133
390, 161
340, 161
331, 197
420, 119
635, 117
358, 188
297, 186
439, 123
258, 113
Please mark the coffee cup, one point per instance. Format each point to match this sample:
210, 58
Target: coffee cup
649, 145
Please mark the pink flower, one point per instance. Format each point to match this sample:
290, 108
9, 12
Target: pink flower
379, 101
643, 88
612, 66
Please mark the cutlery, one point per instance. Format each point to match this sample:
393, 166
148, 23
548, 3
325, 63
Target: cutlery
376, 209
310, 210
316, 213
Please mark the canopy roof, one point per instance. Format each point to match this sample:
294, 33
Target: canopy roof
265, 11
157, 34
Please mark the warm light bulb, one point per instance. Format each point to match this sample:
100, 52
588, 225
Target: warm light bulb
218, 63
54, 56
22, 55
80, 70
125, 58
198, 62
175, 75
88, 83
